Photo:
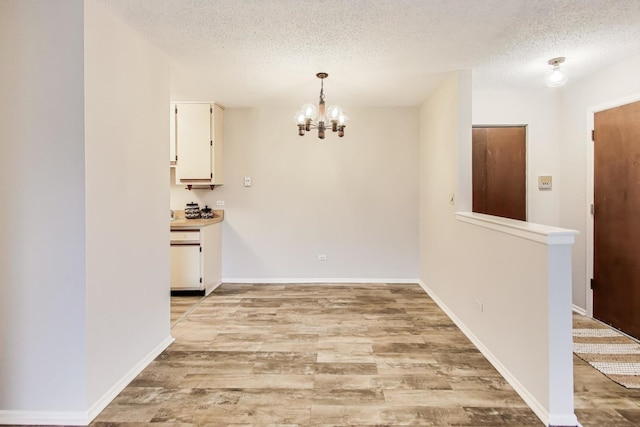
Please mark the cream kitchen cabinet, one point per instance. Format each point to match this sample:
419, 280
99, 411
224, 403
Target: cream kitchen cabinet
196, 262
172, 135
199, 141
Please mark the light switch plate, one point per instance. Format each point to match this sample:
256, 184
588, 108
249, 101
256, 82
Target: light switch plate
544, 182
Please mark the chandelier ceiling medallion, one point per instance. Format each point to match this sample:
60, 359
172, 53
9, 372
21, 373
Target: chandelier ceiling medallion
310, 117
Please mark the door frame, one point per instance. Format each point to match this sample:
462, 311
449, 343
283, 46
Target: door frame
591, 112
526, 156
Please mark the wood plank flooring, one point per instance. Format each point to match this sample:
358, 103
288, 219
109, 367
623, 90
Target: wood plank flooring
334, 355
182, 306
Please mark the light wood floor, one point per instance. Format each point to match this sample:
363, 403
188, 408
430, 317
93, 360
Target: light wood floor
315, 355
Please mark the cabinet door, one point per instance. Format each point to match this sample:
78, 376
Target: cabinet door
185, 267
172, 134
211, 256
218, 143
193, 134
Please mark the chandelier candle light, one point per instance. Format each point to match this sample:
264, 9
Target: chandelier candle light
307, 116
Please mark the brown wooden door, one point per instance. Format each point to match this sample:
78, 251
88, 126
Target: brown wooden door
499, 171
616, 252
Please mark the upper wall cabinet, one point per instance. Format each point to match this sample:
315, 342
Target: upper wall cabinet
199, 144
172, 133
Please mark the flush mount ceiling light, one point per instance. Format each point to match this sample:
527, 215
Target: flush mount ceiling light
556, 76
311, 118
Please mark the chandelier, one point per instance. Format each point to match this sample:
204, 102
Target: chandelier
310, 117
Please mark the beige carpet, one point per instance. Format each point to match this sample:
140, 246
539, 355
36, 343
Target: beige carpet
607, 350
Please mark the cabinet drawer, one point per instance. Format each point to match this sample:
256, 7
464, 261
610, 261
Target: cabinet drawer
181, 237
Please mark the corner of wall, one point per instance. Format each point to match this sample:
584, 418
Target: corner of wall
126, 103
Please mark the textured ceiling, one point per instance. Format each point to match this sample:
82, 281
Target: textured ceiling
377, 52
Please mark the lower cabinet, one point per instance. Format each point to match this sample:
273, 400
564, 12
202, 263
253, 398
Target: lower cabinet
196, 263
186, 271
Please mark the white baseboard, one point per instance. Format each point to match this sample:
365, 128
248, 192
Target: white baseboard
82, 418
330, 280
111, 394
529, 399
56, 418
579, 310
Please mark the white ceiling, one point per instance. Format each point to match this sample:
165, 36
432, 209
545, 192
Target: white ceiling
377, 52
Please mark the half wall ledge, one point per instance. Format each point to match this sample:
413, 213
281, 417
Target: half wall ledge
550, 394
527, 230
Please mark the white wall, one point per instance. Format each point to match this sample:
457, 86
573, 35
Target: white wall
522, 285
439, 135
538, 109
83, 304
127, 200
353, 199
42, 203
558, 139
615, 84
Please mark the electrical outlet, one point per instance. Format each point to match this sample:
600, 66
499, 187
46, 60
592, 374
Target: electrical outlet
247, 181
544, 182
322, 257
220, 203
